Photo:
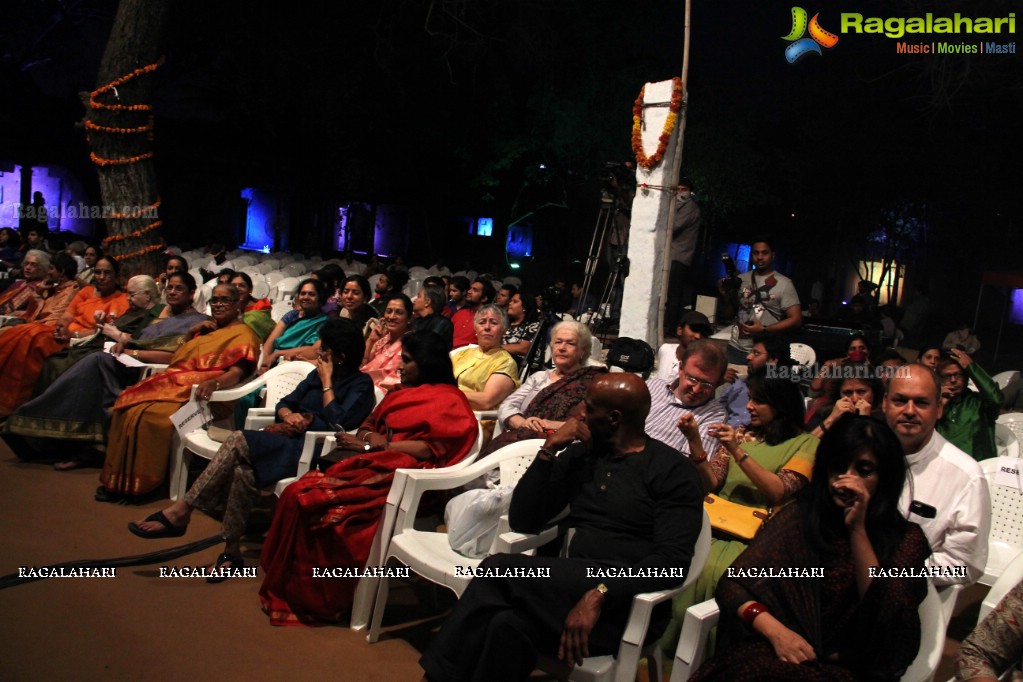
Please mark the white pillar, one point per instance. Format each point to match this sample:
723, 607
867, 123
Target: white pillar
648, 230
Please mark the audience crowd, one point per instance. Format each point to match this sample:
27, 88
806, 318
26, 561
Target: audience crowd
858, 462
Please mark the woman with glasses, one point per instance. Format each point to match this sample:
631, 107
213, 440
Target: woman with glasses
760, 466
336, 396
24, 349
221, 354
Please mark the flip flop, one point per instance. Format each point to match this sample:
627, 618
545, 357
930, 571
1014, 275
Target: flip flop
236, 562
169, 530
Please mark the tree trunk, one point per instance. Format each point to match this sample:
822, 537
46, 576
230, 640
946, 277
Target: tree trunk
119, 128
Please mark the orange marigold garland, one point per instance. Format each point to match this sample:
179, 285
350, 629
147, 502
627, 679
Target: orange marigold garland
137, 233
140, 253
95, 104
649, 162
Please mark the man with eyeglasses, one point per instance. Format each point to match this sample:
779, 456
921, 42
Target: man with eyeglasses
690, 397
968, 418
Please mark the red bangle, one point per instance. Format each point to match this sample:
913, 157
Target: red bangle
751, 612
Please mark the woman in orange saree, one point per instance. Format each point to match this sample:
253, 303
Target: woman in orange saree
329, 519
23, 349
222, 354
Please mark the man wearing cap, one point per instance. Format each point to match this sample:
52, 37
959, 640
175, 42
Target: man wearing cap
692, 326
685, 232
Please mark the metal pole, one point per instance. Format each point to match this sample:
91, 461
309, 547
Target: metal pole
673, 174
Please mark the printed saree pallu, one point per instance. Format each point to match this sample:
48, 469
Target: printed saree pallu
141, 431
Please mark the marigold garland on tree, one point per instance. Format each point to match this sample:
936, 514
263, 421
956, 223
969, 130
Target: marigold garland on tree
649, 162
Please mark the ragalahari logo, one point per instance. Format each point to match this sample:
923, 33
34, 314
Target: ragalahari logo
802, 46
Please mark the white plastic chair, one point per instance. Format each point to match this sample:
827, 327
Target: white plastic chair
803, 354
260, 289
1010, 577
1014, 420
1009, 382
279, 309
1005, 542
701, 618
1006, 441
279, 382
623, 667
286, 288
428, 552
366, 590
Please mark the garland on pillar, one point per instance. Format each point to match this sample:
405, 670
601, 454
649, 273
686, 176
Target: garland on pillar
147, 129
645, 162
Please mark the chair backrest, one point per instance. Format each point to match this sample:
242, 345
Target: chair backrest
1006, 441
282, 379
279, 309
1006, 507
1009, 382
260, 289
1014, 420
513, 468
802, 354
932, 639
1011, 576
286, 288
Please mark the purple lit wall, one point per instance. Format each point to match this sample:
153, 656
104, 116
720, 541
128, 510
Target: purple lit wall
67, 206
1016, 312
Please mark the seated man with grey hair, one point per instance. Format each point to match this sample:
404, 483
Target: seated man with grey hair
426, 307
701, 370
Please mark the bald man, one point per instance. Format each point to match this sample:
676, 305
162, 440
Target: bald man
946, 493
636, 507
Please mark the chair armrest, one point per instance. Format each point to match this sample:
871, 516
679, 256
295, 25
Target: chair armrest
239, 391
692, 644
305, 460
258, 417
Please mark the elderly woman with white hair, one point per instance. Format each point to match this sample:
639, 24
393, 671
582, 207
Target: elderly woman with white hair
546, 400
26, 293
486, 373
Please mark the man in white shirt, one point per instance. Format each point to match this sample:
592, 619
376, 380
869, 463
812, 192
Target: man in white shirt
946, 494
691, 393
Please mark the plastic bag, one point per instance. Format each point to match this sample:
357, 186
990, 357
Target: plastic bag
472, 519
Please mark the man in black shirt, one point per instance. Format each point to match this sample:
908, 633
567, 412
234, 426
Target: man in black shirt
426, 307
636, 507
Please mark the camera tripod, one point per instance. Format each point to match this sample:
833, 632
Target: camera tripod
607, 226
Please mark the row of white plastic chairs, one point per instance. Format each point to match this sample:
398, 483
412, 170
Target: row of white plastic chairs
401, 540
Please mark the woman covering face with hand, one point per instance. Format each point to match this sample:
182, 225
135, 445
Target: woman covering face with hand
858, 618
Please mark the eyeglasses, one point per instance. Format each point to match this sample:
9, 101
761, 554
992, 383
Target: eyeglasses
223, 300
702, 385
955, 376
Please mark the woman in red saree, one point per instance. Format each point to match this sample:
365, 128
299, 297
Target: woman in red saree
222, 354
329, 519
23, 349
